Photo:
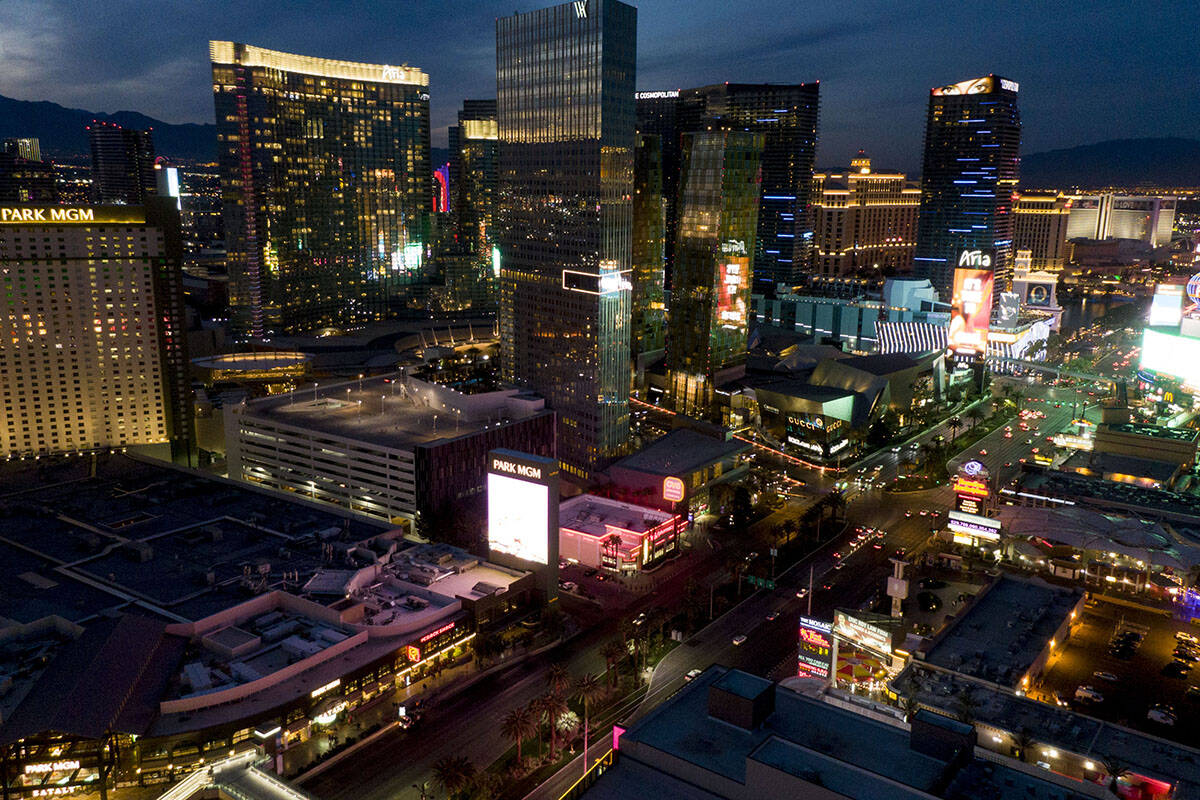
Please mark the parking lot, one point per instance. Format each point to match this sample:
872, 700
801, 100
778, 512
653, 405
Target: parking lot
1127, 657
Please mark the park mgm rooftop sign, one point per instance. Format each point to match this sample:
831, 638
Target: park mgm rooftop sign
72, 215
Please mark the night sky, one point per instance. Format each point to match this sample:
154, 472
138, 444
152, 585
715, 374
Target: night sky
1088, 70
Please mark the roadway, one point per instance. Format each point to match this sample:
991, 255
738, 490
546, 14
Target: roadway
468, 723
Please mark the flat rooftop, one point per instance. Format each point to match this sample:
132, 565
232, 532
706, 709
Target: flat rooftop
1071, 487
682, 452
682, 728
1003, 630
1055, 726
846, 752
145, 535
1156, 431
593, 515
377, 410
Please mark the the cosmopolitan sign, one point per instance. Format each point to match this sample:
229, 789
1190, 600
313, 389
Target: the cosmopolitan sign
70, 215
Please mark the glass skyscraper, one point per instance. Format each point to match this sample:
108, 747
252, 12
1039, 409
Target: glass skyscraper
473, 181
971, 168
564, 80
787, 116
649, 221
122, 163
710, 296
326, 182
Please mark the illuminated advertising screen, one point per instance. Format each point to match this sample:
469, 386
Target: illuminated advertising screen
1167, 307
1007, 311
859, 631
1168, 354
816, 649
520, 491
971, 308
974, 525
733, 284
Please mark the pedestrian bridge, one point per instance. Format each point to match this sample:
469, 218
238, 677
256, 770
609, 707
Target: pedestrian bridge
237, 777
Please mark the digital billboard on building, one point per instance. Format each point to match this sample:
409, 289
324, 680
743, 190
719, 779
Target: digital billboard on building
816, 649
971, 307
1166, 309
522, 504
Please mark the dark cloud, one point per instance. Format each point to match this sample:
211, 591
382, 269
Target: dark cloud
1088, 71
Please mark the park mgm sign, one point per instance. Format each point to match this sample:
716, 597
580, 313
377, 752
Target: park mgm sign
72, 215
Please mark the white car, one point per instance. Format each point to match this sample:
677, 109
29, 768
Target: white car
802, 593
1163, 715
740, 639
1088, 693
692, 674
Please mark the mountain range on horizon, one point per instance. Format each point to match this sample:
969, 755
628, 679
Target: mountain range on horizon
1166, 161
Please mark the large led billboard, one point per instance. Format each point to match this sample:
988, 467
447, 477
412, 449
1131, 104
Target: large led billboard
970, 310
816, 649
733, 287
1167, 307
522, 496
864, 629
1171, 354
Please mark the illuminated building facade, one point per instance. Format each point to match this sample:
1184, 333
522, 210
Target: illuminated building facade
657, 115
971, 168
23, 179
1114, 216
614, 536
473, 161
122, 163
1041, 228
566, 115
649, 220
94, 355
710, 299
786, 115
863, 221
326, 181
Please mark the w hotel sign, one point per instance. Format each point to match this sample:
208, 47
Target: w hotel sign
72, 215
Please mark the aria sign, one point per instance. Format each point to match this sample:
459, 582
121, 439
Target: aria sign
976, 259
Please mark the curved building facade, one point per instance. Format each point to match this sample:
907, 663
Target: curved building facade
325, 178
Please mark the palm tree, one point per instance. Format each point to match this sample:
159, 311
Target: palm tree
588, 688
517, 726
558, 679
1115, 769
955, 424
613, 652
553, 706
975, 414
454, 773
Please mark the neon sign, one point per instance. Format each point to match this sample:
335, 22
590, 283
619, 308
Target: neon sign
51, 766
329, 687
971, 487
672, 490
449, 626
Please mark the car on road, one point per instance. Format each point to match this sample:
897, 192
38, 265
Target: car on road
1162, 714
802, 592
692, 674
1105, 676
568, 586
774, 615
405, 721
983, 452
896, 449
739, 640
908, 513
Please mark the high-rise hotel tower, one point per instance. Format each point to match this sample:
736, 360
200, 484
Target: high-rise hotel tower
564, 80
326, 180
972, 163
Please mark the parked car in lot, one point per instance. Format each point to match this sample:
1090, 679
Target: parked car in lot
928, 601
1162, 714
1089, 694
1177, 669
1183, 636
1105, 676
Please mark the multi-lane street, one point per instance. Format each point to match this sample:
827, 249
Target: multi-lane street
840, 578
